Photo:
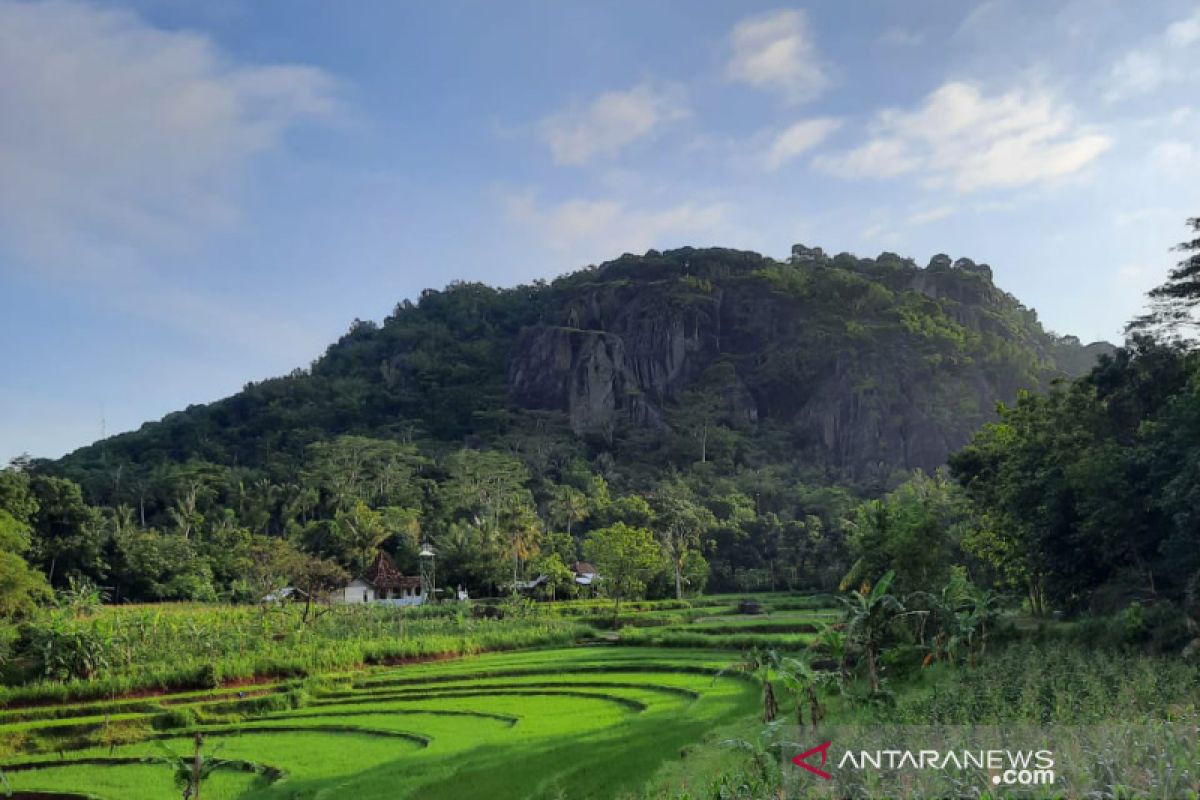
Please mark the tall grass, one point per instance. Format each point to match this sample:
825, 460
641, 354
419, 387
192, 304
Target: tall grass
125, 649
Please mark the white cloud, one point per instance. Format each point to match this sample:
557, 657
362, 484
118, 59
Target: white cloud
599, 228
123, 145
960, 138
798, 139
776, 51
881, 157
1137, 72
882, 233
611, 122
128, 136
901, 37
929, 215
1185, 32
1161, 60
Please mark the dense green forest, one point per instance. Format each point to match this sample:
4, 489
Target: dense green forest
771, 424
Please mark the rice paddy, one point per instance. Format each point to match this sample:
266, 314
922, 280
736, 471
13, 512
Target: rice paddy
573, 722
591, 719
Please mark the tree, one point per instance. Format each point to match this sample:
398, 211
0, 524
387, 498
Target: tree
484, 484
362, 531
522, 530
191, 772
567, 506
148, 565
681, 521
21, 588
186, 514
1172, 303
914, 531
803, 681
317, 578
68, 534
797, 674
378, 472
559, 577
623, 556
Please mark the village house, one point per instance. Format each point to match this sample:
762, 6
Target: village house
382, 583
585, 573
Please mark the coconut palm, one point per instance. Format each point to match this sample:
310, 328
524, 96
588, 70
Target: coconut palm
362, 531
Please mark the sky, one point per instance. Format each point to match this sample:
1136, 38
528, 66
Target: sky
195, 195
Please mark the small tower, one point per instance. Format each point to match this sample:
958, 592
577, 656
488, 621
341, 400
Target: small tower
427, 557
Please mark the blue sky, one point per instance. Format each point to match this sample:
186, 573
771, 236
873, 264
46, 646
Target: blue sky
196, 195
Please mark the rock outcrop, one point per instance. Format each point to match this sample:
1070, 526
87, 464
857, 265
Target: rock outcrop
628, 353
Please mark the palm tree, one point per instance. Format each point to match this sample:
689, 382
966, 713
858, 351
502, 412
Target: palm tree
983, 608
121, 520
523, 534
681, 522
186, 513
870, 612
362, 531
568, 506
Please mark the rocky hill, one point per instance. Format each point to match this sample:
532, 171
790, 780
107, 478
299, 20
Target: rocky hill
853, 366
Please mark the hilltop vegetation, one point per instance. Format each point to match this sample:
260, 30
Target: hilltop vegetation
857, 366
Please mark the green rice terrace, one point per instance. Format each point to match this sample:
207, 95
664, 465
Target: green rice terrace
366, 702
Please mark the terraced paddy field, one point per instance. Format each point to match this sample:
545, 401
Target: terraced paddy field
585, 721
779, 629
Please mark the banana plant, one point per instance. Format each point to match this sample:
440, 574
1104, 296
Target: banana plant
759, 663
870, 612
799, 676
191, 772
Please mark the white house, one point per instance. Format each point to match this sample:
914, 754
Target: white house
585, 573
382, 583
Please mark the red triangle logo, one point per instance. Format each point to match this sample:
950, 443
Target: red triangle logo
801, 760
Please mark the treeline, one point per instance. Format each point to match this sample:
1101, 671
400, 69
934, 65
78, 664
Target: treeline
1081, 501
199, 531
1090, 494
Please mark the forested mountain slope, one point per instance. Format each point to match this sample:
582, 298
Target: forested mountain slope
860, 366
